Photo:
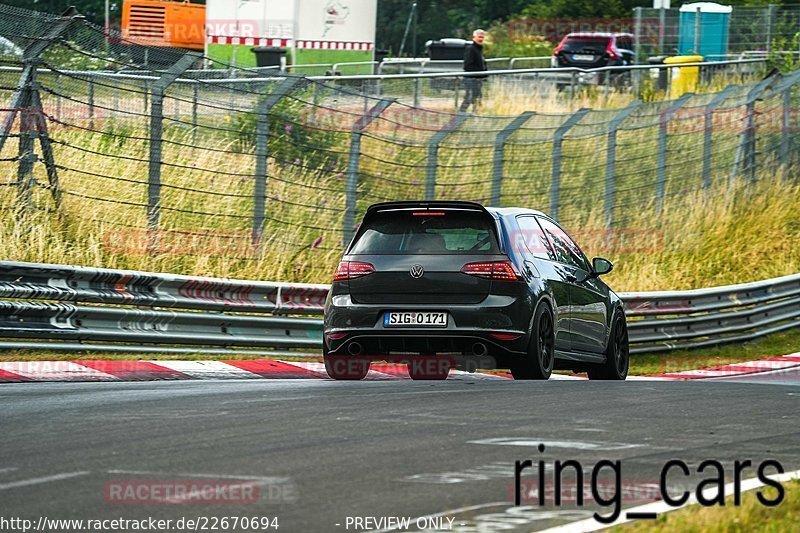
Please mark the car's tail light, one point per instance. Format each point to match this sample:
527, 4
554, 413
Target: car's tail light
351, 270
505, 336
612, 53
559, 47
498, 270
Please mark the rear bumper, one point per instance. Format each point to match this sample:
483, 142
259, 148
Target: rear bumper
499, 323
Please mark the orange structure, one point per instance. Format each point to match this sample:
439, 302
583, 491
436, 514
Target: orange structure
164, 23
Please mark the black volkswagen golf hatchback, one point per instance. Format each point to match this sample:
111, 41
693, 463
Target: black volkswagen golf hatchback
456, 281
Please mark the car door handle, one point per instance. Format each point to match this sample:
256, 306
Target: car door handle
570, 277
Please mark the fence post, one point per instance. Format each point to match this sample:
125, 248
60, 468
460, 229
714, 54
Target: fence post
747, 147
786, 90
351, 192
25, 102
708, 131
697, 25
195, 91
30, 60
499, 153
770, 26
158, 89
555, 177
262, 152
433, 153
90, 102
637, 33
661, 168
611, 159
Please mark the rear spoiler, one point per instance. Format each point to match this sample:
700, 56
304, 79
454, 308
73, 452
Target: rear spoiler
474, 207
429, 205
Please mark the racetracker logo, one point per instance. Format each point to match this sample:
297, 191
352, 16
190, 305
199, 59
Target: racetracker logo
200, 491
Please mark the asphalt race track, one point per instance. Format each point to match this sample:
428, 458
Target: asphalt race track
323, 451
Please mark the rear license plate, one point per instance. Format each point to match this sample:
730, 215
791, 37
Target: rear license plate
582, 57
394, 319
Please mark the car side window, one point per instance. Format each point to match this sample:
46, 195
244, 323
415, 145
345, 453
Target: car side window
565, 248
532, 239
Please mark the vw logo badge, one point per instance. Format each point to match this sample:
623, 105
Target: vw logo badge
416, 271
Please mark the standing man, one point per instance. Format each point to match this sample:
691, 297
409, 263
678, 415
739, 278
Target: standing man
473, 62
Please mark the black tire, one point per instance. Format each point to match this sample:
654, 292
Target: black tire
538, 364
617, 354
346, 367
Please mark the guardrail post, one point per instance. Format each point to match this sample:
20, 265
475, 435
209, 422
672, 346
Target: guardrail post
433, 153
156, 131
661, 168
611, 159
351, 192
262, 152
708, 131
555, 176
499, 153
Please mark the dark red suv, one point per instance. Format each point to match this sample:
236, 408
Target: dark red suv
594, 50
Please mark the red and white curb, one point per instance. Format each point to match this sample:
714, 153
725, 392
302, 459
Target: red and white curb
27, 371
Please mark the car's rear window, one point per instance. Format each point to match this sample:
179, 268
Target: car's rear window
578, 43
431, 232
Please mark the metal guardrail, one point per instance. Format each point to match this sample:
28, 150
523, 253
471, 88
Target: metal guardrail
78, 308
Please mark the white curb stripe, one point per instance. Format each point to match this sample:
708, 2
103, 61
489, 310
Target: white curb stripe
207, 369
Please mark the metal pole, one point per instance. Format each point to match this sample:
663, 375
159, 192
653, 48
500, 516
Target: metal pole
195, 91
47, 148
708, 130
90, 98
697, 21
749, 134
30, 59
27, 157
351, 193
555, 177
611, 160
156, 131
637, 33
785, 124
785, 88
662, 22
262, 152
770, 25
433, 153
499, 155
661, 169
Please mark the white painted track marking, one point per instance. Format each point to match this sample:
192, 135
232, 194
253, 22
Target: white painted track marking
40, 480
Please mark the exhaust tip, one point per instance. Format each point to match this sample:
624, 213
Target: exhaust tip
354, 348
479, 349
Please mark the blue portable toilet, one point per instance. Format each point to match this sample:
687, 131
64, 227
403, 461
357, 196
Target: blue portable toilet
714, 23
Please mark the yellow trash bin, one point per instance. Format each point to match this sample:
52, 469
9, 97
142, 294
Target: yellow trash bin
683, 79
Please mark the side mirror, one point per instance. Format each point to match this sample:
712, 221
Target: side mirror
601, 266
